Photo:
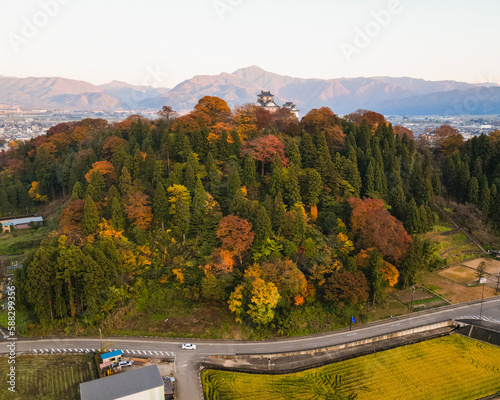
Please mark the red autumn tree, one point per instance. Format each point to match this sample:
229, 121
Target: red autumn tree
401, 131
447, 139
373, 226
263, 149
346, 287
216, 108
236, 234
264, 118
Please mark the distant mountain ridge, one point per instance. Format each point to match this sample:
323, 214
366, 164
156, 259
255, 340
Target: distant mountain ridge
388, 95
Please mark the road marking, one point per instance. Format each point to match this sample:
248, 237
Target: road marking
92, 350
133, 351
81, 350
64, 350
395, 324
352, 334
87, 350
150, 353
34, 351
156, 352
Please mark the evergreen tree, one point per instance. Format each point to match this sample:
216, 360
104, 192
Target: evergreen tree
90, 221
77, 192
234, 181
97, 181
235, 146
307, 151
484, 196
276, 183
91, 192
413, 222
189, 178
262, 228
137, 165
117, 217
125, 182
160, 205
299, 223
369, 180
199, 200
292, 185
380, 180
249, 176
314, 187
238, 205
398, 202
293, 153
279, 214
213, 175
473, 193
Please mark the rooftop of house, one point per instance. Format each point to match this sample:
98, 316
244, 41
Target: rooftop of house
121, 385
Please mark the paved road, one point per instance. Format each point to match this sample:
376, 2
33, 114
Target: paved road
186, 360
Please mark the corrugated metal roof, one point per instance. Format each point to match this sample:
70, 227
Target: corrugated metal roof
121, 385
111, 354
20, 221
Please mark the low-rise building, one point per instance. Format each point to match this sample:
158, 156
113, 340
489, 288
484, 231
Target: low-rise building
20, 223
112, 356
144, 383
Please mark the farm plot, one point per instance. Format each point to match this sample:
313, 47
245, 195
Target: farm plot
48, 377
452, 367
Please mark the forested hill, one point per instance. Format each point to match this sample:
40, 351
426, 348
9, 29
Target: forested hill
251, 211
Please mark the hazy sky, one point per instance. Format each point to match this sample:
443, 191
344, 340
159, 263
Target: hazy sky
163, 42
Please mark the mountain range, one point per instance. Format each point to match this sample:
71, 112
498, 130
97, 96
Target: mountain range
387, 95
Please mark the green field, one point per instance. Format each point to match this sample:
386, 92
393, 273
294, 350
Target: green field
451, 368
47, 377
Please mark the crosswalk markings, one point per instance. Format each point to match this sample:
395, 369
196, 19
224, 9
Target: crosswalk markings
126, 351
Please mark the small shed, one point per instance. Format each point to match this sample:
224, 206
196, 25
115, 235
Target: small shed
112, 357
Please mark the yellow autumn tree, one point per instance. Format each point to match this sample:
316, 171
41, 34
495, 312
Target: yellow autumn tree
34, 193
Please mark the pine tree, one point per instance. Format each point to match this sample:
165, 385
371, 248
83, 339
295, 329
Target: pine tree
262, 227
189, 178
398, 202
213, 175
249, 175
473, 193
380, 181
137, 165
117, 218
160, 205
276, 183
125, 182
314, 187
413, 222
307, 151
292, 185
234, 181
299, 223
90, 221
91, 192
369, 180
235, 146
293, 153
199, 200
484, 196
77, 192
279, 214
97, 181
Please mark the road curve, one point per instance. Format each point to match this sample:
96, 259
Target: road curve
186, 360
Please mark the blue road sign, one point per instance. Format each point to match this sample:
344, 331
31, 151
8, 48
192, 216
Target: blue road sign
353, 320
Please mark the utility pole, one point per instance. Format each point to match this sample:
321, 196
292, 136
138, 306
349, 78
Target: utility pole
100, 335
498, 281
412, 292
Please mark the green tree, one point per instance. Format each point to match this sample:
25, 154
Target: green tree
262, 227
293, 153
77, 192
90, 221
161, 206
292, 185
199, 200
249, 176
117, 217
307, 151
125, 182
473, 194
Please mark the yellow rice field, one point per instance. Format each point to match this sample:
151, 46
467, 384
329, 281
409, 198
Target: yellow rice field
448, 368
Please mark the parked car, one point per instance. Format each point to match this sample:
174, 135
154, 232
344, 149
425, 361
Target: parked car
125, 363
188, 346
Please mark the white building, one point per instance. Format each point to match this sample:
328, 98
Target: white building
266, 100
292, 107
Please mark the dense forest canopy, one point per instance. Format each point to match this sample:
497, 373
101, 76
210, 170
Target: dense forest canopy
253, 211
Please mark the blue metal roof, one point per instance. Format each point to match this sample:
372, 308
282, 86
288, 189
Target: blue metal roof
19, 221
112, 354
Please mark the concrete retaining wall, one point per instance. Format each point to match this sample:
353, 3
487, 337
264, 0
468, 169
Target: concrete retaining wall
445, 324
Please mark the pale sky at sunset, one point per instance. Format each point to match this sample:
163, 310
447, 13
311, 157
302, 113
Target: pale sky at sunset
100, 41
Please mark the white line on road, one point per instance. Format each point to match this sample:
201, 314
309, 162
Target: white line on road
133, 351
155, 352
150, 353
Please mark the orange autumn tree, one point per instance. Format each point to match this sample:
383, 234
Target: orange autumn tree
138, 209
216, 108
105, 168
236, 235
374, 226
245, 120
